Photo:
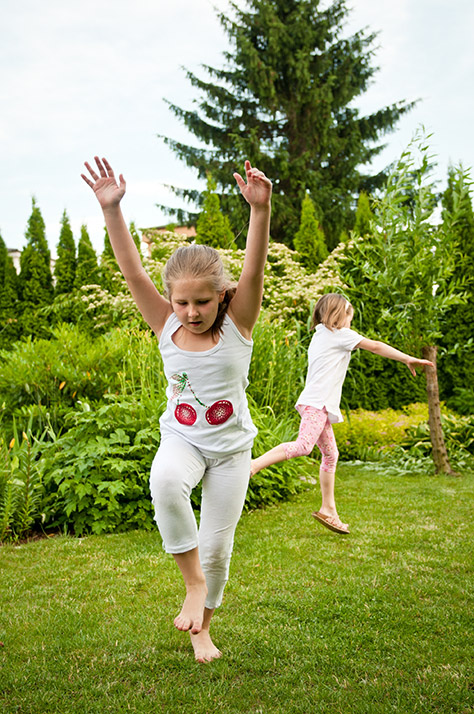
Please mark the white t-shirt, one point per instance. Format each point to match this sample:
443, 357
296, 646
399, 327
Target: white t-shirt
329, 355
207, 404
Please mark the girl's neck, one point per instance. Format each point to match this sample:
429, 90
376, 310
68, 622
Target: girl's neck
188, 341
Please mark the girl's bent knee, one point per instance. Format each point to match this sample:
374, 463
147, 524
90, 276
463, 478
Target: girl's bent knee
293, 449
168, 490
329, 461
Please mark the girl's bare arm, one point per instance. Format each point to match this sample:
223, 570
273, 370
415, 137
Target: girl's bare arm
384, 350
153, 306
245, 306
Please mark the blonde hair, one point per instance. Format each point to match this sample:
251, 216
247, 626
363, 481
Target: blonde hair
331, 310
204, 262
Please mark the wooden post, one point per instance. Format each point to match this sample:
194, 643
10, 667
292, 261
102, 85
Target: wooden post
440, 454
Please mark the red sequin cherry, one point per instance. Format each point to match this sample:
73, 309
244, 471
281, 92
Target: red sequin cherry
185, 414
219, 412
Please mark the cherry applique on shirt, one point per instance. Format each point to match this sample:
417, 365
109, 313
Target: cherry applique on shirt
185, 414
217, 413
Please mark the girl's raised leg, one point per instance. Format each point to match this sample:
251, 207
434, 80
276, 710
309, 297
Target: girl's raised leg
274, 456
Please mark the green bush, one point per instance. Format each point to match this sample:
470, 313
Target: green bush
462, 401
400, 440
46, 378
95, 475
364, 433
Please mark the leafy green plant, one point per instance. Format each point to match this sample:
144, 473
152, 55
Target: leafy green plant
278, 367
212, 226
462, 401
21, 488
95, 475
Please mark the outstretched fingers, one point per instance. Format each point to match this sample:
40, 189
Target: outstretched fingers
104, 168
101, 179
419, 363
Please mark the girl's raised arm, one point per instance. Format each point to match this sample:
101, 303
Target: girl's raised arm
245, 305
153, 306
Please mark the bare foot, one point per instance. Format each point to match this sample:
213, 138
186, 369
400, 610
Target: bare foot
192, 612
204, 648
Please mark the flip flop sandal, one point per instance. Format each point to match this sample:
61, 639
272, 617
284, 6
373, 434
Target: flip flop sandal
334, 523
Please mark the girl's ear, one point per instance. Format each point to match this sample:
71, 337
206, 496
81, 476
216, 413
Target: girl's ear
222, 295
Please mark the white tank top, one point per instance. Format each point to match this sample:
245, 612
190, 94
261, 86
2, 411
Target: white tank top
207, 404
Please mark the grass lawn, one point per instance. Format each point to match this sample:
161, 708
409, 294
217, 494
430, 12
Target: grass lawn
377, 621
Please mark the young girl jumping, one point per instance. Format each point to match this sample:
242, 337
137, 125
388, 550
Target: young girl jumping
204, 327
318, 404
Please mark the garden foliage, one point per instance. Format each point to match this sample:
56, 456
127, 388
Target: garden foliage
79, 410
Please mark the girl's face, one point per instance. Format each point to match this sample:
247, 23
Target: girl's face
349, 316
195, 303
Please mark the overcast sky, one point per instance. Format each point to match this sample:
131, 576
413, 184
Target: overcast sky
78, 79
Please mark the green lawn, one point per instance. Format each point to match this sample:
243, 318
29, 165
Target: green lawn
378, 621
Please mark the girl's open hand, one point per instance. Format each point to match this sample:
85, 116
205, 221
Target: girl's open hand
258, 189
105, 187
413, 362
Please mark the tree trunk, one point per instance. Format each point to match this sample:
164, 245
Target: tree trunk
440, 455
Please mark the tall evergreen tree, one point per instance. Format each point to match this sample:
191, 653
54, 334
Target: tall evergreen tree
9, 304
212, 227
285, 99
35, 281
3, 261
87, 271
65, 268
363, 216
309, 239
108, 265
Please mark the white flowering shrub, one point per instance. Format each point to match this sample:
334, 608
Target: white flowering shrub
289, 289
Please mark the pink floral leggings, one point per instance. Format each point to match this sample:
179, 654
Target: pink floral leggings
315, 428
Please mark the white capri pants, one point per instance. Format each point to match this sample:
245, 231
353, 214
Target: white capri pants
176, 469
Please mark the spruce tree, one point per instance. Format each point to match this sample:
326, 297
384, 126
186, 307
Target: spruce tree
65, 268
212, 227
87, 271
309, 240
285, 100
35, 280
